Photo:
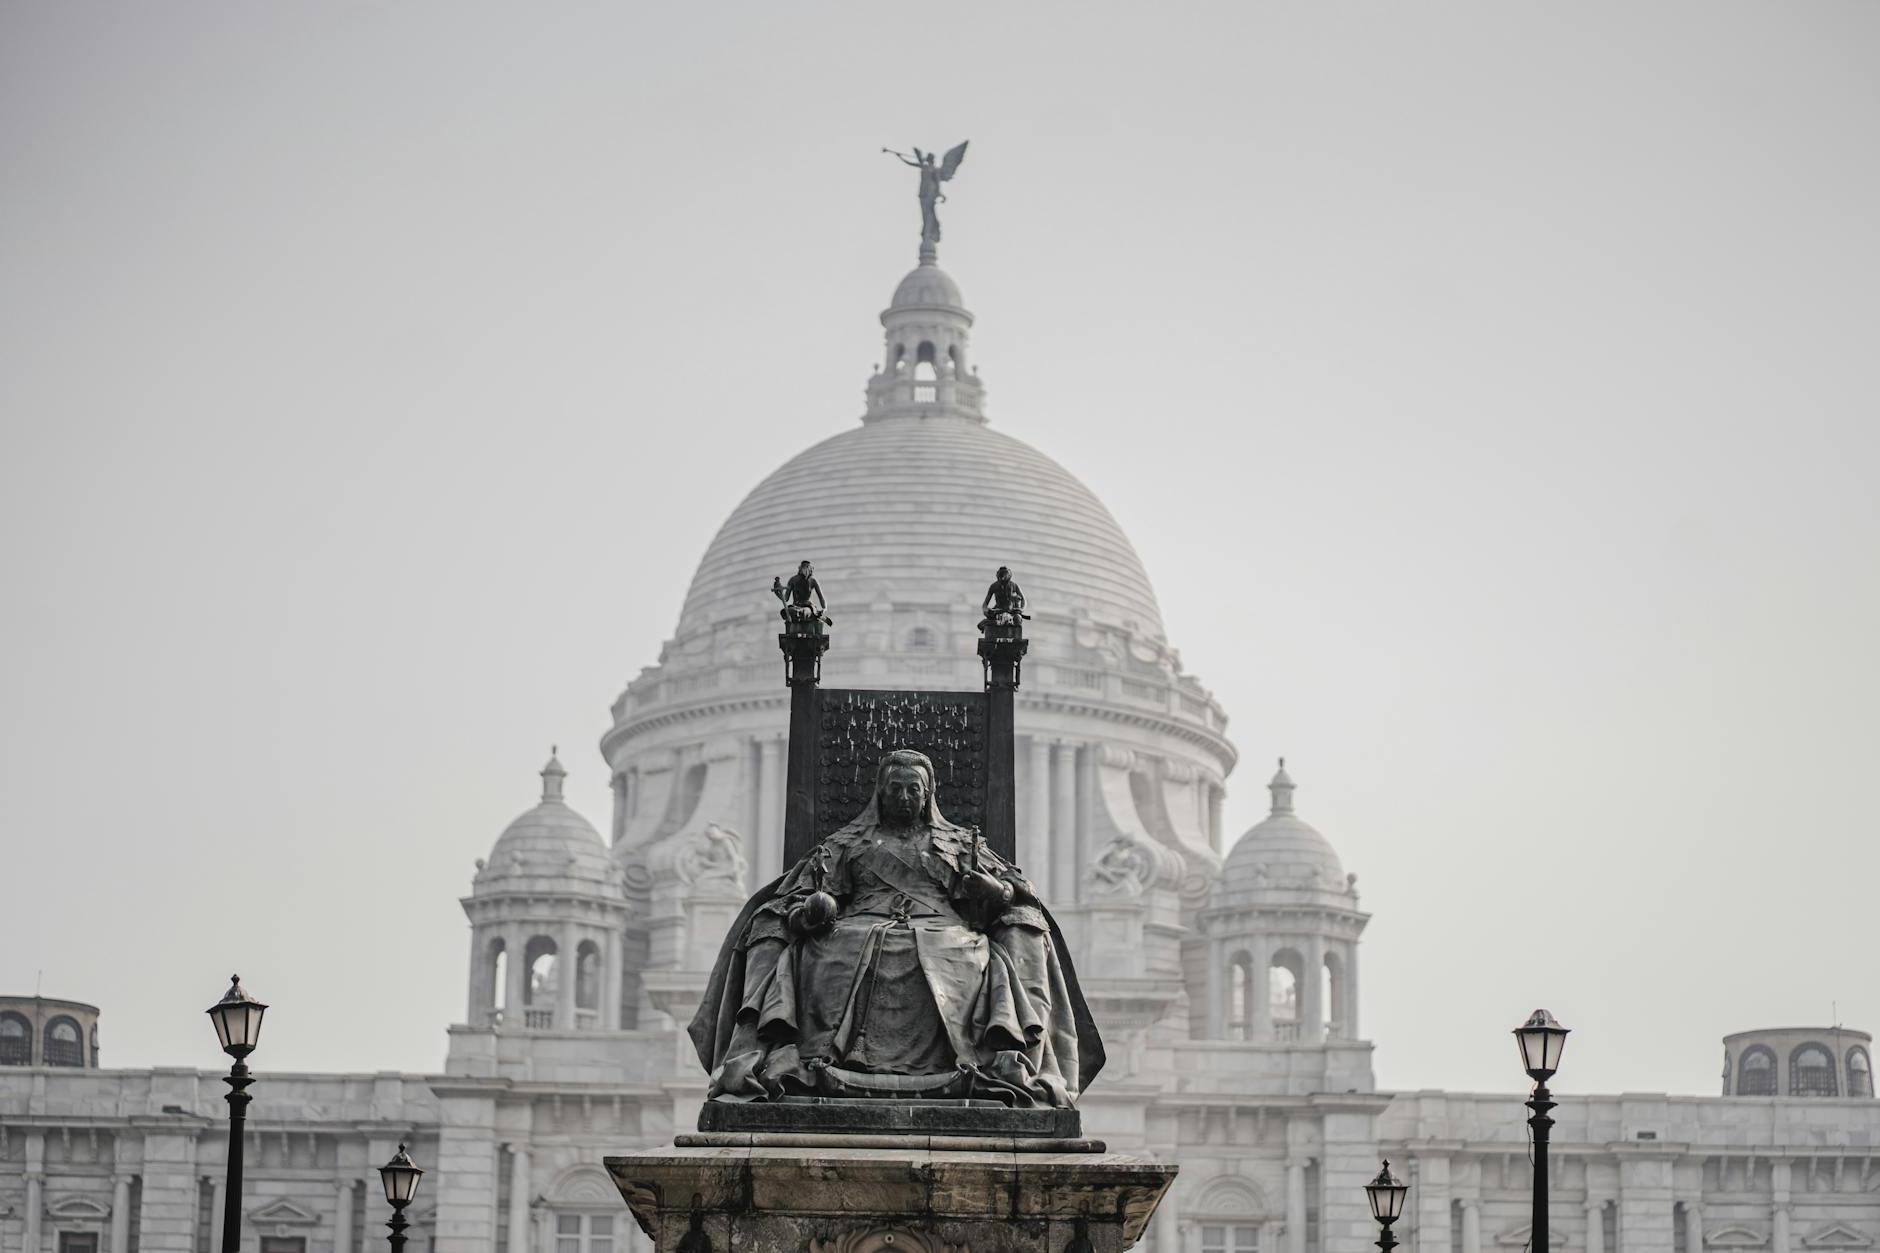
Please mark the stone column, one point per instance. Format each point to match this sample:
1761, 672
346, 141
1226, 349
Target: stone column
1779, 1176
1350, 1007
1595, 1226
518, 1199
343, 1216
612, 961
1694, 1224
35, 1205
121, 1214
1296, 1205
1214, 816
768, 855
1035, 840
1260, 1013
1471, 1225
1431, 1219
217, 1195
1064, 823
566, 945
516, 946
1217, 990
1312, 994
476, 1013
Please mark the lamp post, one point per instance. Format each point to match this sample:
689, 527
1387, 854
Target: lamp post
1542, 1040
237, 1019
400, 1177
1386, 1194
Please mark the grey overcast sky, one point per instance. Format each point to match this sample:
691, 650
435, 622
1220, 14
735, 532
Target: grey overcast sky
1489, 389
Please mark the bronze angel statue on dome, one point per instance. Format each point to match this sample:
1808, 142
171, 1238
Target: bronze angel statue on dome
931, 176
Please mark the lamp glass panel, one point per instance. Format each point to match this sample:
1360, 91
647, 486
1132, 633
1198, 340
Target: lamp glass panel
401, 1183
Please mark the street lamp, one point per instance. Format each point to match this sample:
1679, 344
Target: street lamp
1542, 1040
237, 1019
400, 1177
1386, 1194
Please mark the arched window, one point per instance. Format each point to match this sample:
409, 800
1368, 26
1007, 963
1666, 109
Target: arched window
899, 362
1811, 1071
1859, 1072
953, 358
65, 1043
496, 994
924, 374
541, 977
1283, 993
587, 976
1757, 1075
16, 1040
1240, 997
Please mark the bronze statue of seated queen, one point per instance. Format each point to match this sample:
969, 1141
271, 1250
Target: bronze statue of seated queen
900, 959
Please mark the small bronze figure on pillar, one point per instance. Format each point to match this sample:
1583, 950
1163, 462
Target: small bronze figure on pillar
804, 614
1002, 642
1005, 600
799, 615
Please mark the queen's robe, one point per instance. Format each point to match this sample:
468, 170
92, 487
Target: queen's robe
914, 991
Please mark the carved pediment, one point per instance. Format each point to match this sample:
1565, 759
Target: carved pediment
282, 1212
1837, 1236
79, 1209
1230, 1197
584, 1185
1519, 1237
1735, 1236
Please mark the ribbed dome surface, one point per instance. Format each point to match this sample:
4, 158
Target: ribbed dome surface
550, 841
927, 285
926, 508
1283, 853
1278, 853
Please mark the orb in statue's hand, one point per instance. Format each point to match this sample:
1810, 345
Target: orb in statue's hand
819, 910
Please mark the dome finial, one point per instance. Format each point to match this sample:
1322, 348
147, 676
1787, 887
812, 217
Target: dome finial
1282, 789
552, 775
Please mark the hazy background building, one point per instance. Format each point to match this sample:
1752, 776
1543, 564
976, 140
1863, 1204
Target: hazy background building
1227, 989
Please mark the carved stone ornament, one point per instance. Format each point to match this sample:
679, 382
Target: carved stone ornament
1123, 868
714, 855
883, 1240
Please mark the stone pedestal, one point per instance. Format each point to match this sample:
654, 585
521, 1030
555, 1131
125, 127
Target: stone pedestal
782, 1193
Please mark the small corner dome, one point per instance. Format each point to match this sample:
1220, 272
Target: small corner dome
1282, 853
550, 841
925, 286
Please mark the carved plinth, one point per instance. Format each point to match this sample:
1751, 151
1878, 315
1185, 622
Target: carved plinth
921, 1118
913, 1197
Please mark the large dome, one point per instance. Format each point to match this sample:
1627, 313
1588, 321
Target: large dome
925, 508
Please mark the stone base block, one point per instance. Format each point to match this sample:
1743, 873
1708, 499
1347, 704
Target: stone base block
910, 1198
926, 1118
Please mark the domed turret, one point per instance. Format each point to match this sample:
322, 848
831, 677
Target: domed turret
549, 842
1283, 926
546, 916
1283, 853
928, 287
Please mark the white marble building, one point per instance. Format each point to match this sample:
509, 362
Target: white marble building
1227, 985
